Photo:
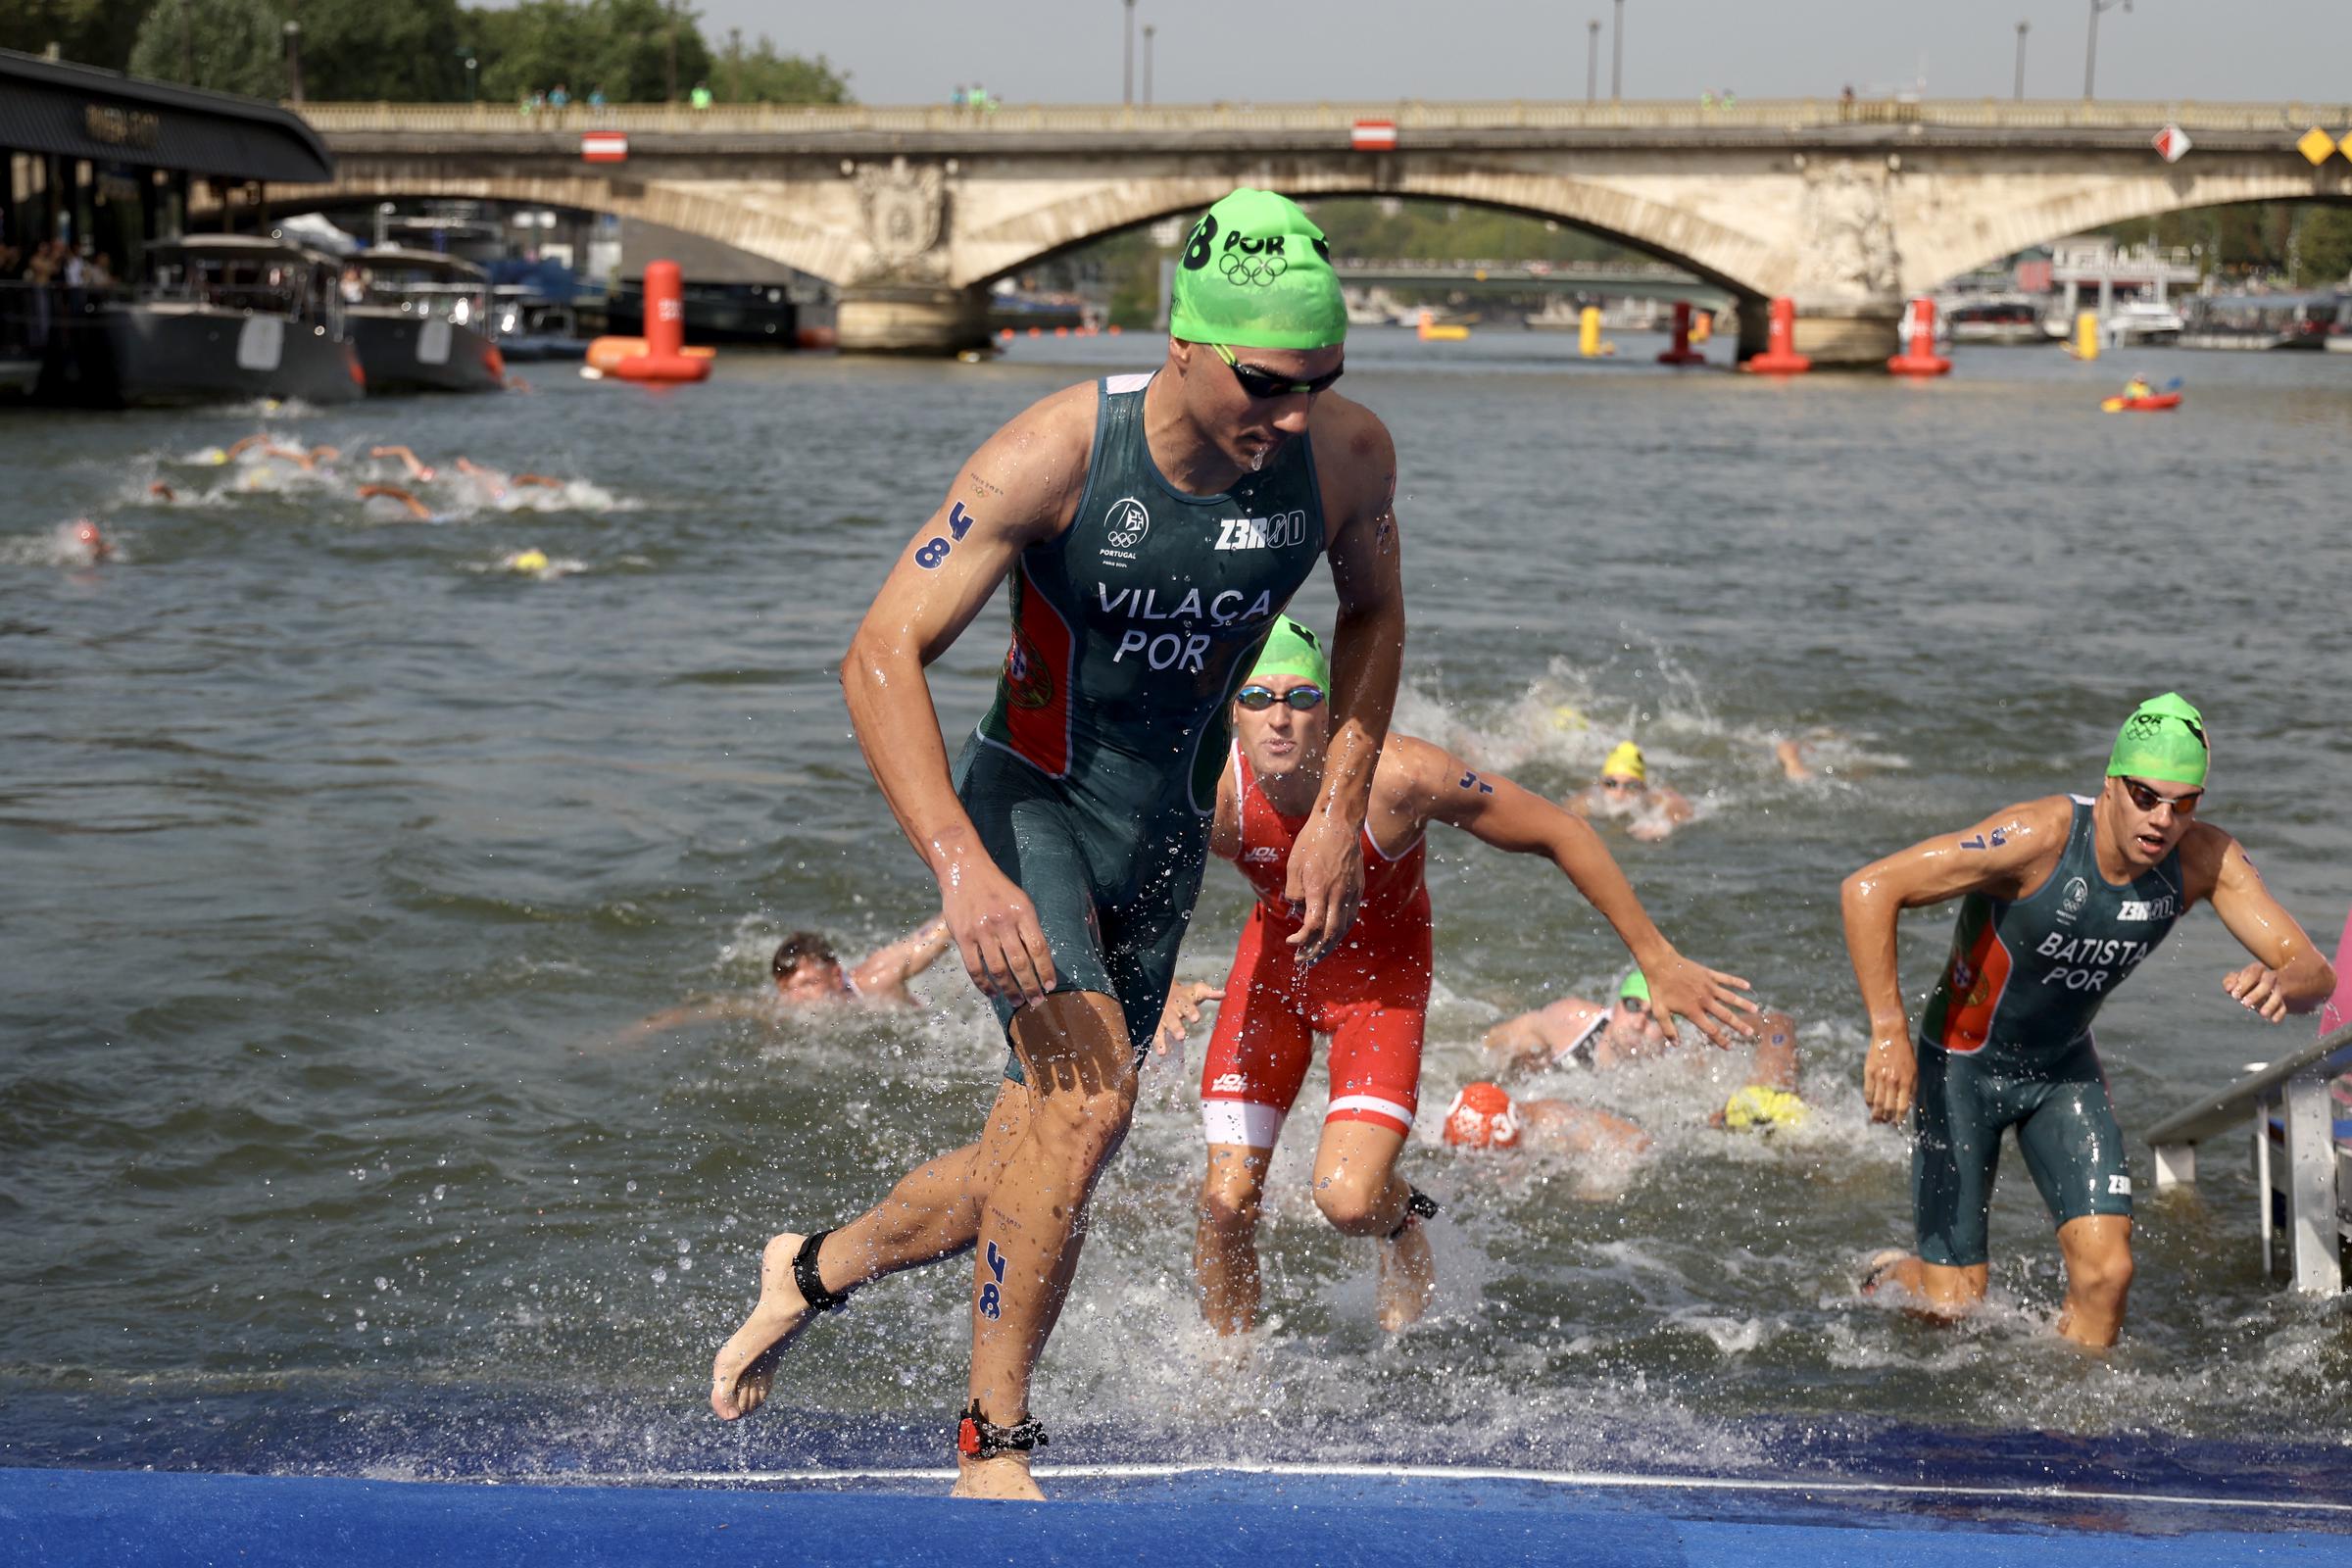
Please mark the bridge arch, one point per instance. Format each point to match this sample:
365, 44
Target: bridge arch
1714, 254
706, 210
2053, 208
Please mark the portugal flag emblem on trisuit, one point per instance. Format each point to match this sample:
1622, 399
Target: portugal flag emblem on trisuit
604, 147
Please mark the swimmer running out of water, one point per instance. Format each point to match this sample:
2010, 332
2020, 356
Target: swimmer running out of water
1371, 995
1152, 527
2061, 899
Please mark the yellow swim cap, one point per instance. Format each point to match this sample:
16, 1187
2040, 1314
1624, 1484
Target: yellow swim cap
1758, 1106
1567, 715
528, 560
1624, 763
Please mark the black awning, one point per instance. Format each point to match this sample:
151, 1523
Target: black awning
80, 111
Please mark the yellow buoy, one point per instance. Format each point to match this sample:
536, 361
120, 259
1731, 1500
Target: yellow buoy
528, 560
2087, 336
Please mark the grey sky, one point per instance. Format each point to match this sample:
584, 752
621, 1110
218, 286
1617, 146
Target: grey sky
1068, 51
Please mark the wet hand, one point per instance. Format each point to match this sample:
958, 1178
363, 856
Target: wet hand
1180, 1014
1326, 883
2256, 987
996, 933
1889, 1076
1649, 830
1708, 998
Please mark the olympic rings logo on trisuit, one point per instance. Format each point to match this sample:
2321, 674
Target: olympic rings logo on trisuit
1126, 523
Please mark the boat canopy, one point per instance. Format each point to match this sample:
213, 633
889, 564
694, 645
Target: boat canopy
49, 106
400, 257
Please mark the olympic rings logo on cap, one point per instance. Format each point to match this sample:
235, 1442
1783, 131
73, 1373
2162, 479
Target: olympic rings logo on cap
1259, 270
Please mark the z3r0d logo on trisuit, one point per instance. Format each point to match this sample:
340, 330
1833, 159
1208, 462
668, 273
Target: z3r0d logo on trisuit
1242, 260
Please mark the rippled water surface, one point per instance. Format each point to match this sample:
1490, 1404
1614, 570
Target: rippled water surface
334, 857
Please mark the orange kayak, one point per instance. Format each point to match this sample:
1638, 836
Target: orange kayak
2147, 405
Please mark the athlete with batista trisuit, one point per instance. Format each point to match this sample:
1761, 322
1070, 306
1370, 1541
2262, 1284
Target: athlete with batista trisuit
2062, 898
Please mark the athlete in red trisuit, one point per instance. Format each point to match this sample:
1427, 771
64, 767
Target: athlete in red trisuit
1371, 995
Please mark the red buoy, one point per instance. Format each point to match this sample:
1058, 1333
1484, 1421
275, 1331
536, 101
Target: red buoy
1780, 355
1920, 358
1682, 353
664, 358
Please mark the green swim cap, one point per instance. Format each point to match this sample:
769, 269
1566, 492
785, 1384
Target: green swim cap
1292, 650
1635, 984
2164, 739
1256, 273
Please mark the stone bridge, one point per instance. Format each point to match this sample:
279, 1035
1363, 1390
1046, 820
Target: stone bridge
1848, 208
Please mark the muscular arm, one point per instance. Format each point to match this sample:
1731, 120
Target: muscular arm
1367, 654
2287, 974
884, 972
1517, 822
2004, 855
1017, 489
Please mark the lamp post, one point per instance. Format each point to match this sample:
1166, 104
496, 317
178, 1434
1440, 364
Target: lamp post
1617, 56
294, 61
474, 65
1127, 94
1593, 60
2022, 28
1148, 31
2090, 51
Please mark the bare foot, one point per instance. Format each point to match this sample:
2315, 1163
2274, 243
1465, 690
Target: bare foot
1408, 1279
1005, 1478
746, 1365
1895, 1275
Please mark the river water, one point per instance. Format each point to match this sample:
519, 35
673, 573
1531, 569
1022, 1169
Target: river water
336, 858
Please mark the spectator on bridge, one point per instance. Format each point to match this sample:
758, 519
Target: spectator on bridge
559, 97
700, 96
595, 96
956, 98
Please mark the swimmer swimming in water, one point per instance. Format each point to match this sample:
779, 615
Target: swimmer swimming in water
392, 492
806, 974
417, 469
1484, 1115
1574, 1032
1652, 811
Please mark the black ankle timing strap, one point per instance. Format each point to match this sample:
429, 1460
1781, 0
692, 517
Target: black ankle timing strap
1418, 1205
978, 1437
812, 1282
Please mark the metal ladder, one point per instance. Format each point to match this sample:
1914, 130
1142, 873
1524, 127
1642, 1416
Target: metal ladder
2305, 1182
2302, 1155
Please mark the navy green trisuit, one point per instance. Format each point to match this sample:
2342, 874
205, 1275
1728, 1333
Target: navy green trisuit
1094, 776
2006, 1042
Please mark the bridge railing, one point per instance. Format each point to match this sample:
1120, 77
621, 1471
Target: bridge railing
1781, 114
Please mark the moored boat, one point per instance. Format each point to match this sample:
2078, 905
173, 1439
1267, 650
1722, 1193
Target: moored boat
423, 323
225, 317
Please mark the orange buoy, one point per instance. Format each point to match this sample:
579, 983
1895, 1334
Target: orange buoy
1005, 334
1682, 353
1920, 358
664, 358
1780, 357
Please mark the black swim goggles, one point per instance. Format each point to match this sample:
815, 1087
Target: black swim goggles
1258, 699
1265, 384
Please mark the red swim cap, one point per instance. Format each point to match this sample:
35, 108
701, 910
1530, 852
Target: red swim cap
1482, 1116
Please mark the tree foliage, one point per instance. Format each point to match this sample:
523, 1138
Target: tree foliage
759, 74
623, 48
227, 45
365, 50
88, 32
